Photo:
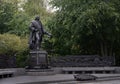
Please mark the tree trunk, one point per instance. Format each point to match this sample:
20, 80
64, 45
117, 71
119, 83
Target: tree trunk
105, 49
102, 48
111, 50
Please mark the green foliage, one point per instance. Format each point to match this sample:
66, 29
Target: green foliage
19, 24
34, 7
37, 7
8, 42
11, 44
61, 42
103, 30
22, 58
86, 27
7, 11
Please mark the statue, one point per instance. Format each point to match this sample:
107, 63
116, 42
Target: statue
36, 34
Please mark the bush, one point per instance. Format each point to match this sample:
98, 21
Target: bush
12, 46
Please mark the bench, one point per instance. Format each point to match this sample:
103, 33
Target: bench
88, 70
5, 74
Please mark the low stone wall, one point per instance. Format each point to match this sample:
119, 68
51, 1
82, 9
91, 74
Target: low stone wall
82, 61
7, 61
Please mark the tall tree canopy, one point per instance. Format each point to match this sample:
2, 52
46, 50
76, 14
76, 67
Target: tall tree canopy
86, 27
37, 7
7, 11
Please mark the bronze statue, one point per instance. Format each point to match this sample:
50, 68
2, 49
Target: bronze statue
36, 34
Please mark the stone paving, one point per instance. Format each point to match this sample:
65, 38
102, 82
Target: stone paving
89, 82
61, 79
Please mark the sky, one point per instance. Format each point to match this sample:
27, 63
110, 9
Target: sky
46, 2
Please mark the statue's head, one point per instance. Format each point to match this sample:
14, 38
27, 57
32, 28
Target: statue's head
37, 18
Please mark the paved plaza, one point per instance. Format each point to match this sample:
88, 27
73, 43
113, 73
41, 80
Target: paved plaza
61, 79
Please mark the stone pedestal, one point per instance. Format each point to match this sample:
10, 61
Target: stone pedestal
38, 64
38, 60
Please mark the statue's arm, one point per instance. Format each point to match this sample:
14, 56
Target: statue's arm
32, 28
49, 34
45, 32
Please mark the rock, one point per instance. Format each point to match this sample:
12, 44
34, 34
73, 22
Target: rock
84, 77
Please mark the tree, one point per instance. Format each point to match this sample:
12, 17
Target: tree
103, 29
37, 7
7, 11
86, 26
19, 24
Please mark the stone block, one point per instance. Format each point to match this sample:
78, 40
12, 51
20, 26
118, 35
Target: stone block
38, 59
81, 77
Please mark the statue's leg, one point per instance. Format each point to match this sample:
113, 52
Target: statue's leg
40, 41
36, 41
38, 44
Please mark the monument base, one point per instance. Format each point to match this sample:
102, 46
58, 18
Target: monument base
38, 64
38, 60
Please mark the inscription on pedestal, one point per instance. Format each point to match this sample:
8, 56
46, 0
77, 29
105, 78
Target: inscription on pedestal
38, 59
